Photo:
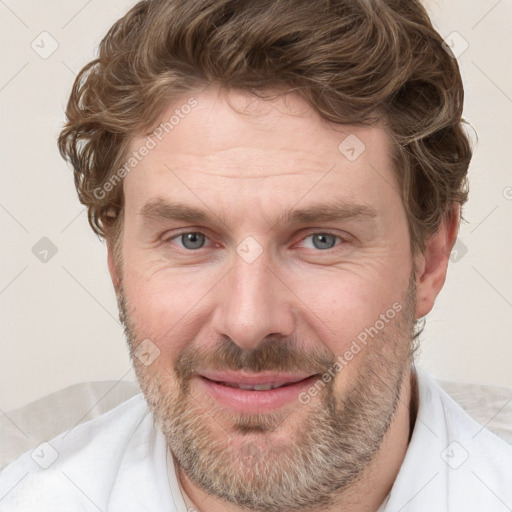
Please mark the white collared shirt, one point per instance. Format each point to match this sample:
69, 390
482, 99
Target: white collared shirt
118, 463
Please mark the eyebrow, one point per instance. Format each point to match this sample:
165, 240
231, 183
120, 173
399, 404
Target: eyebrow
162, 210
326, 212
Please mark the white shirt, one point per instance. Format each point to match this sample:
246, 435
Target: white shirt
118, 463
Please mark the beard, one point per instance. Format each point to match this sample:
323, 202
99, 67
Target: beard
243, 458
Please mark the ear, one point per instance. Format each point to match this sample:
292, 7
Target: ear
432, 265
114, 274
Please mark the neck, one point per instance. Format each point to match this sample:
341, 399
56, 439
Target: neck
371, 489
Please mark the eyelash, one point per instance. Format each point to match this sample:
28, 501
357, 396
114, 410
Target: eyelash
329, 233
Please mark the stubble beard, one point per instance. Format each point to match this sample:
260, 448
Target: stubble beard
237, 458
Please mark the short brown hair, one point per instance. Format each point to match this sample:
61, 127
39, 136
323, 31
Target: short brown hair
353, 61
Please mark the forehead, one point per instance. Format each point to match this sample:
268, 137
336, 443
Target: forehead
212, 143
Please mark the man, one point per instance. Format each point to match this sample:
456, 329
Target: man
280, 186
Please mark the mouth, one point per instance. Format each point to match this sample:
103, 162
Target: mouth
255, 393
255, 387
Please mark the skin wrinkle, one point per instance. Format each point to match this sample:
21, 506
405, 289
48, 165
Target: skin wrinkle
322, 50
347, 68
291, 310
259, 177
192, 443
328, 464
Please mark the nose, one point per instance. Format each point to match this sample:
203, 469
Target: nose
253, 303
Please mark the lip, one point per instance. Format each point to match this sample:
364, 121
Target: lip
250, 401
250, 379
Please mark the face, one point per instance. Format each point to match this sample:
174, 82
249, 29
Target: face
269, 247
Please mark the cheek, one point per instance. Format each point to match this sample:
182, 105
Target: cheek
342, 306
164, 305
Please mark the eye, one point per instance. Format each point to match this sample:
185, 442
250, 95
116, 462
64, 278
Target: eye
191, 240
322, 241
195, 240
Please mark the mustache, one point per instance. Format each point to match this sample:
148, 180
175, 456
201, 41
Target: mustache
273, 354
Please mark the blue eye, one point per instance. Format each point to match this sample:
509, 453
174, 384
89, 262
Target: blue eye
192, 240
323, 241
195, 240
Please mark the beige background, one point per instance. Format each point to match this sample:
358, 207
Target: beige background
59, 322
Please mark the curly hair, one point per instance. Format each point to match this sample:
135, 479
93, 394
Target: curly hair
353, 61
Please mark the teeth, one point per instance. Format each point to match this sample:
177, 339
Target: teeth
262, 387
